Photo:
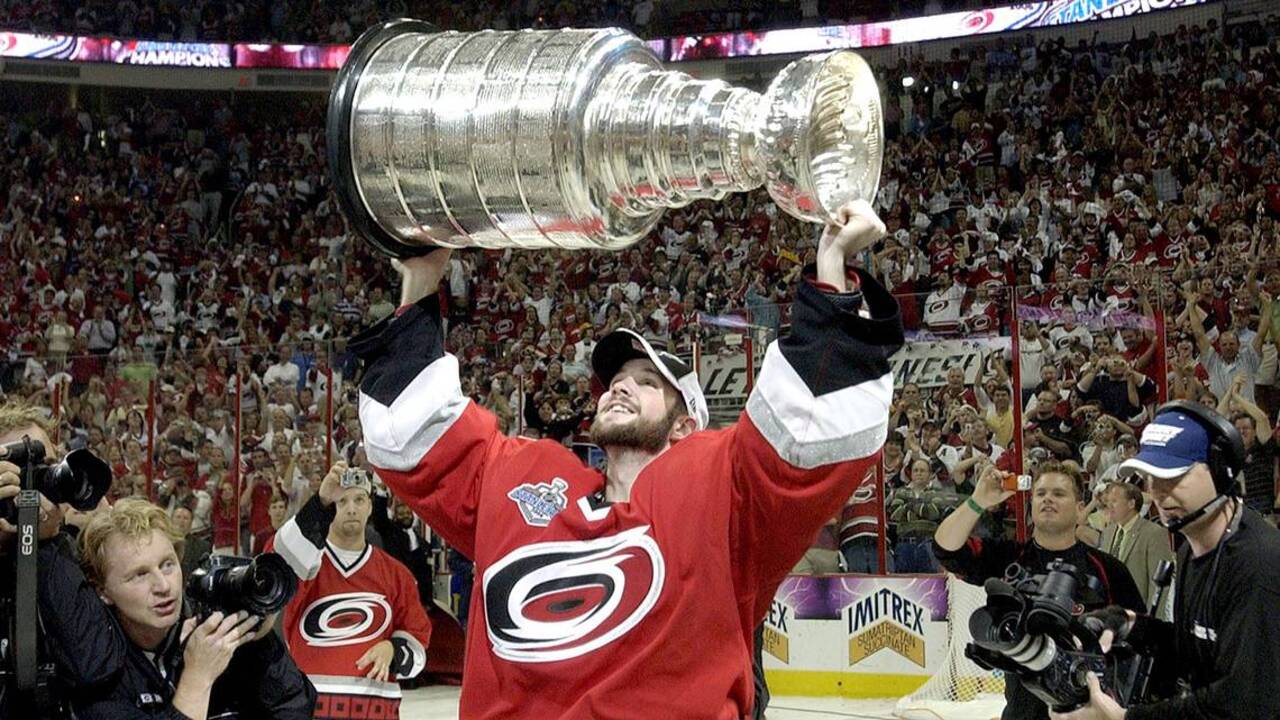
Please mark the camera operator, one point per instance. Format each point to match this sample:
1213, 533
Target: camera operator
69, 609
174, 666
1226, 628
1057, 506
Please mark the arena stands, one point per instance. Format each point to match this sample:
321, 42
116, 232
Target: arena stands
1113, 207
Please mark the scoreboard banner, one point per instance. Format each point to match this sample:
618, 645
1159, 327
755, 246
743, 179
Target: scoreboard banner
112, 50
1024, 16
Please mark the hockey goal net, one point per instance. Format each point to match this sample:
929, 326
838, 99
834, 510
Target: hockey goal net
960, 690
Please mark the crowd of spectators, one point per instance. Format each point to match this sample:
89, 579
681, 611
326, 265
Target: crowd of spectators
314, 21
192, 254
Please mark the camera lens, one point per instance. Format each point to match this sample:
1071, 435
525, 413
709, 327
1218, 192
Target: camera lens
228, 584
270, 584
81, 479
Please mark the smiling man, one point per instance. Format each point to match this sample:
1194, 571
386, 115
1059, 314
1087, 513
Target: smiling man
634, 593
1057, 505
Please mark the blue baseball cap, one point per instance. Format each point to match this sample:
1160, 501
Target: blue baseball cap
1170, 446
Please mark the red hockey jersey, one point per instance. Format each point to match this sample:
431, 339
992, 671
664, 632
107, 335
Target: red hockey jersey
645, 609
342, 610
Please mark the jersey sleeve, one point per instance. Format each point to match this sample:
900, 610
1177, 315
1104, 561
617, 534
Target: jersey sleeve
412, 633
429, 442
300, 541
814, 424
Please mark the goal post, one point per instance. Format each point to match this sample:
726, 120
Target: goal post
959, 690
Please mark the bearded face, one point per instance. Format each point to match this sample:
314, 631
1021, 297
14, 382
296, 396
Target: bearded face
636, 433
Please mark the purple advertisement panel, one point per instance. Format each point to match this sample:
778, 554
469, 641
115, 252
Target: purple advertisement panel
825, 597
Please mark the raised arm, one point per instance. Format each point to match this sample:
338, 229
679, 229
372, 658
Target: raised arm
300, 541
1264, 322
1264, 429
1195, 319
430, 444
818, 413
954, 532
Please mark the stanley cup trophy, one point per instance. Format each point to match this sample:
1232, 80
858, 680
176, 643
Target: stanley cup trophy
579, 138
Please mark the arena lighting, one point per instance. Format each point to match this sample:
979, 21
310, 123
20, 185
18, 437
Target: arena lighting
908, 81
1026, 16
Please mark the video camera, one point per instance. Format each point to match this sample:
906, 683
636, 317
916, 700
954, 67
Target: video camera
226, 584
1031, 627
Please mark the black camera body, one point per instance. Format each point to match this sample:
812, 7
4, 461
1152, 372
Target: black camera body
80, 479
1031, 627
228, 584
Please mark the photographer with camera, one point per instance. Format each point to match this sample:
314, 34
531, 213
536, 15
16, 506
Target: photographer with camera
68, 607
1226, 628
1057, 506
356, 626
176, 665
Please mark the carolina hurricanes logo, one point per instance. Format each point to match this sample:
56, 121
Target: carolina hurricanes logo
992, 285
558, 600
345, 619
981, 323
866, 492
976, 22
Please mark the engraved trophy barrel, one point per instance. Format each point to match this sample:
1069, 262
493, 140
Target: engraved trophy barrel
579, 138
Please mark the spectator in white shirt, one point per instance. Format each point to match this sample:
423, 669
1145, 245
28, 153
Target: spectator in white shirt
1230, 358
942, 307
99, 332
284, 371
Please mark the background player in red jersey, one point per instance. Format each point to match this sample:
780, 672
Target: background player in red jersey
356, 625
634, 592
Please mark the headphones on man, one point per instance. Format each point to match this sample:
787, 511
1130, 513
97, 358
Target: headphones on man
1226, 448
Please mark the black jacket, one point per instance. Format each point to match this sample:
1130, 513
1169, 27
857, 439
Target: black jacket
67, 607
261, 681
107, 677
1225, 637
395, 540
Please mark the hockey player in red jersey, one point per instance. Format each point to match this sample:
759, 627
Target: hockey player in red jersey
633, 593
356, 625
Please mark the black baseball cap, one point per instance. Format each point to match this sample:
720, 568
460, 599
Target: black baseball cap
619, 346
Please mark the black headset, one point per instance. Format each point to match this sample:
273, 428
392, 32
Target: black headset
1226, 448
